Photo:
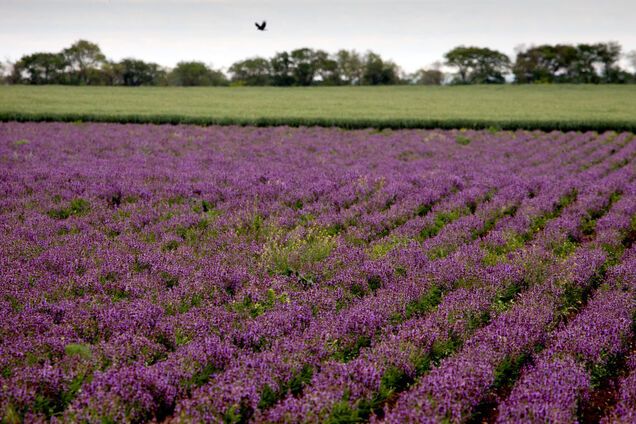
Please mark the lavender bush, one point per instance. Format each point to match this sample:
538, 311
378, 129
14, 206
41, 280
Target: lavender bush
241, 274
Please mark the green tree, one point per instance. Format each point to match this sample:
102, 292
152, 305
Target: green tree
583, 63
608, 55
189, 74
84, 60
3, 72
631, 57
350, 66
583, 67
282, 67
378, 71
428, 77
253, 71
545, 63
134, 72
478, 65
303, 66
327, 69
40, 68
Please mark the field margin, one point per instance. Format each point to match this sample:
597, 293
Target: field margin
345, 123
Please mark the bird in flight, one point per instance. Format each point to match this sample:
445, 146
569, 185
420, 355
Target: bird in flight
262, 26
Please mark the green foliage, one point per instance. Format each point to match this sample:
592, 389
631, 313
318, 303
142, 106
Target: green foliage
16, 305
478, 65
168, 279
394, 379
83, 351
139, 266
443, 348
193, 233
345, 352
84, 59
588, 222
374, 282
11, 415
240, 413
575, 295
269, 396
475, 321
423, 209
357, 290
426, 303
506, 296
496, 254
189, 74
462, 140
490, 222
77, 207
538, 223
53, 404
381, 248
441, 219
170, 246
254, 71
300, 379
291, 255
74, 388
508, 370
134, 72
428, 77
202, 376
378, 71
630, 237
582, 63
181, 338
253, 309
188, 302
6, 371
439, 252
255, 227
564, 248
40, 68
606, 369
571, 299
335, 229
343, 413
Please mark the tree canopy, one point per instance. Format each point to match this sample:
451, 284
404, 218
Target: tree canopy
478, 65
190, 74
581, 63
83, 63
40, 68
84, 59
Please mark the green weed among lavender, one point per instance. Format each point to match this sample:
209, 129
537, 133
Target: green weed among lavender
243, 274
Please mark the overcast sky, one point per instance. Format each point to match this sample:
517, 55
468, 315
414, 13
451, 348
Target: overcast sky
413, 33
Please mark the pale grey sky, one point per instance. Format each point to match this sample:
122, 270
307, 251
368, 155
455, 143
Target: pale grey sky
413, 33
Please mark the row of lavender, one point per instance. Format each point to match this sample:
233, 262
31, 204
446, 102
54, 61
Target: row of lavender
285, 275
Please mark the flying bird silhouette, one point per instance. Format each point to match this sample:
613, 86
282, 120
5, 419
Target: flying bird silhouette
262, 26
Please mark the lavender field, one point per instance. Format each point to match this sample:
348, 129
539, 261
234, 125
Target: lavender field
240, 274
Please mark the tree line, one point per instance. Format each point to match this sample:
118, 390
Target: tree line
83, 63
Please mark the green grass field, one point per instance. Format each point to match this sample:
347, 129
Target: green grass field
565, 107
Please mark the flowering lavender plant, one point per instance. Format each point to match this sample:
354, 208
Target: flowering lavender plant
242, 274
